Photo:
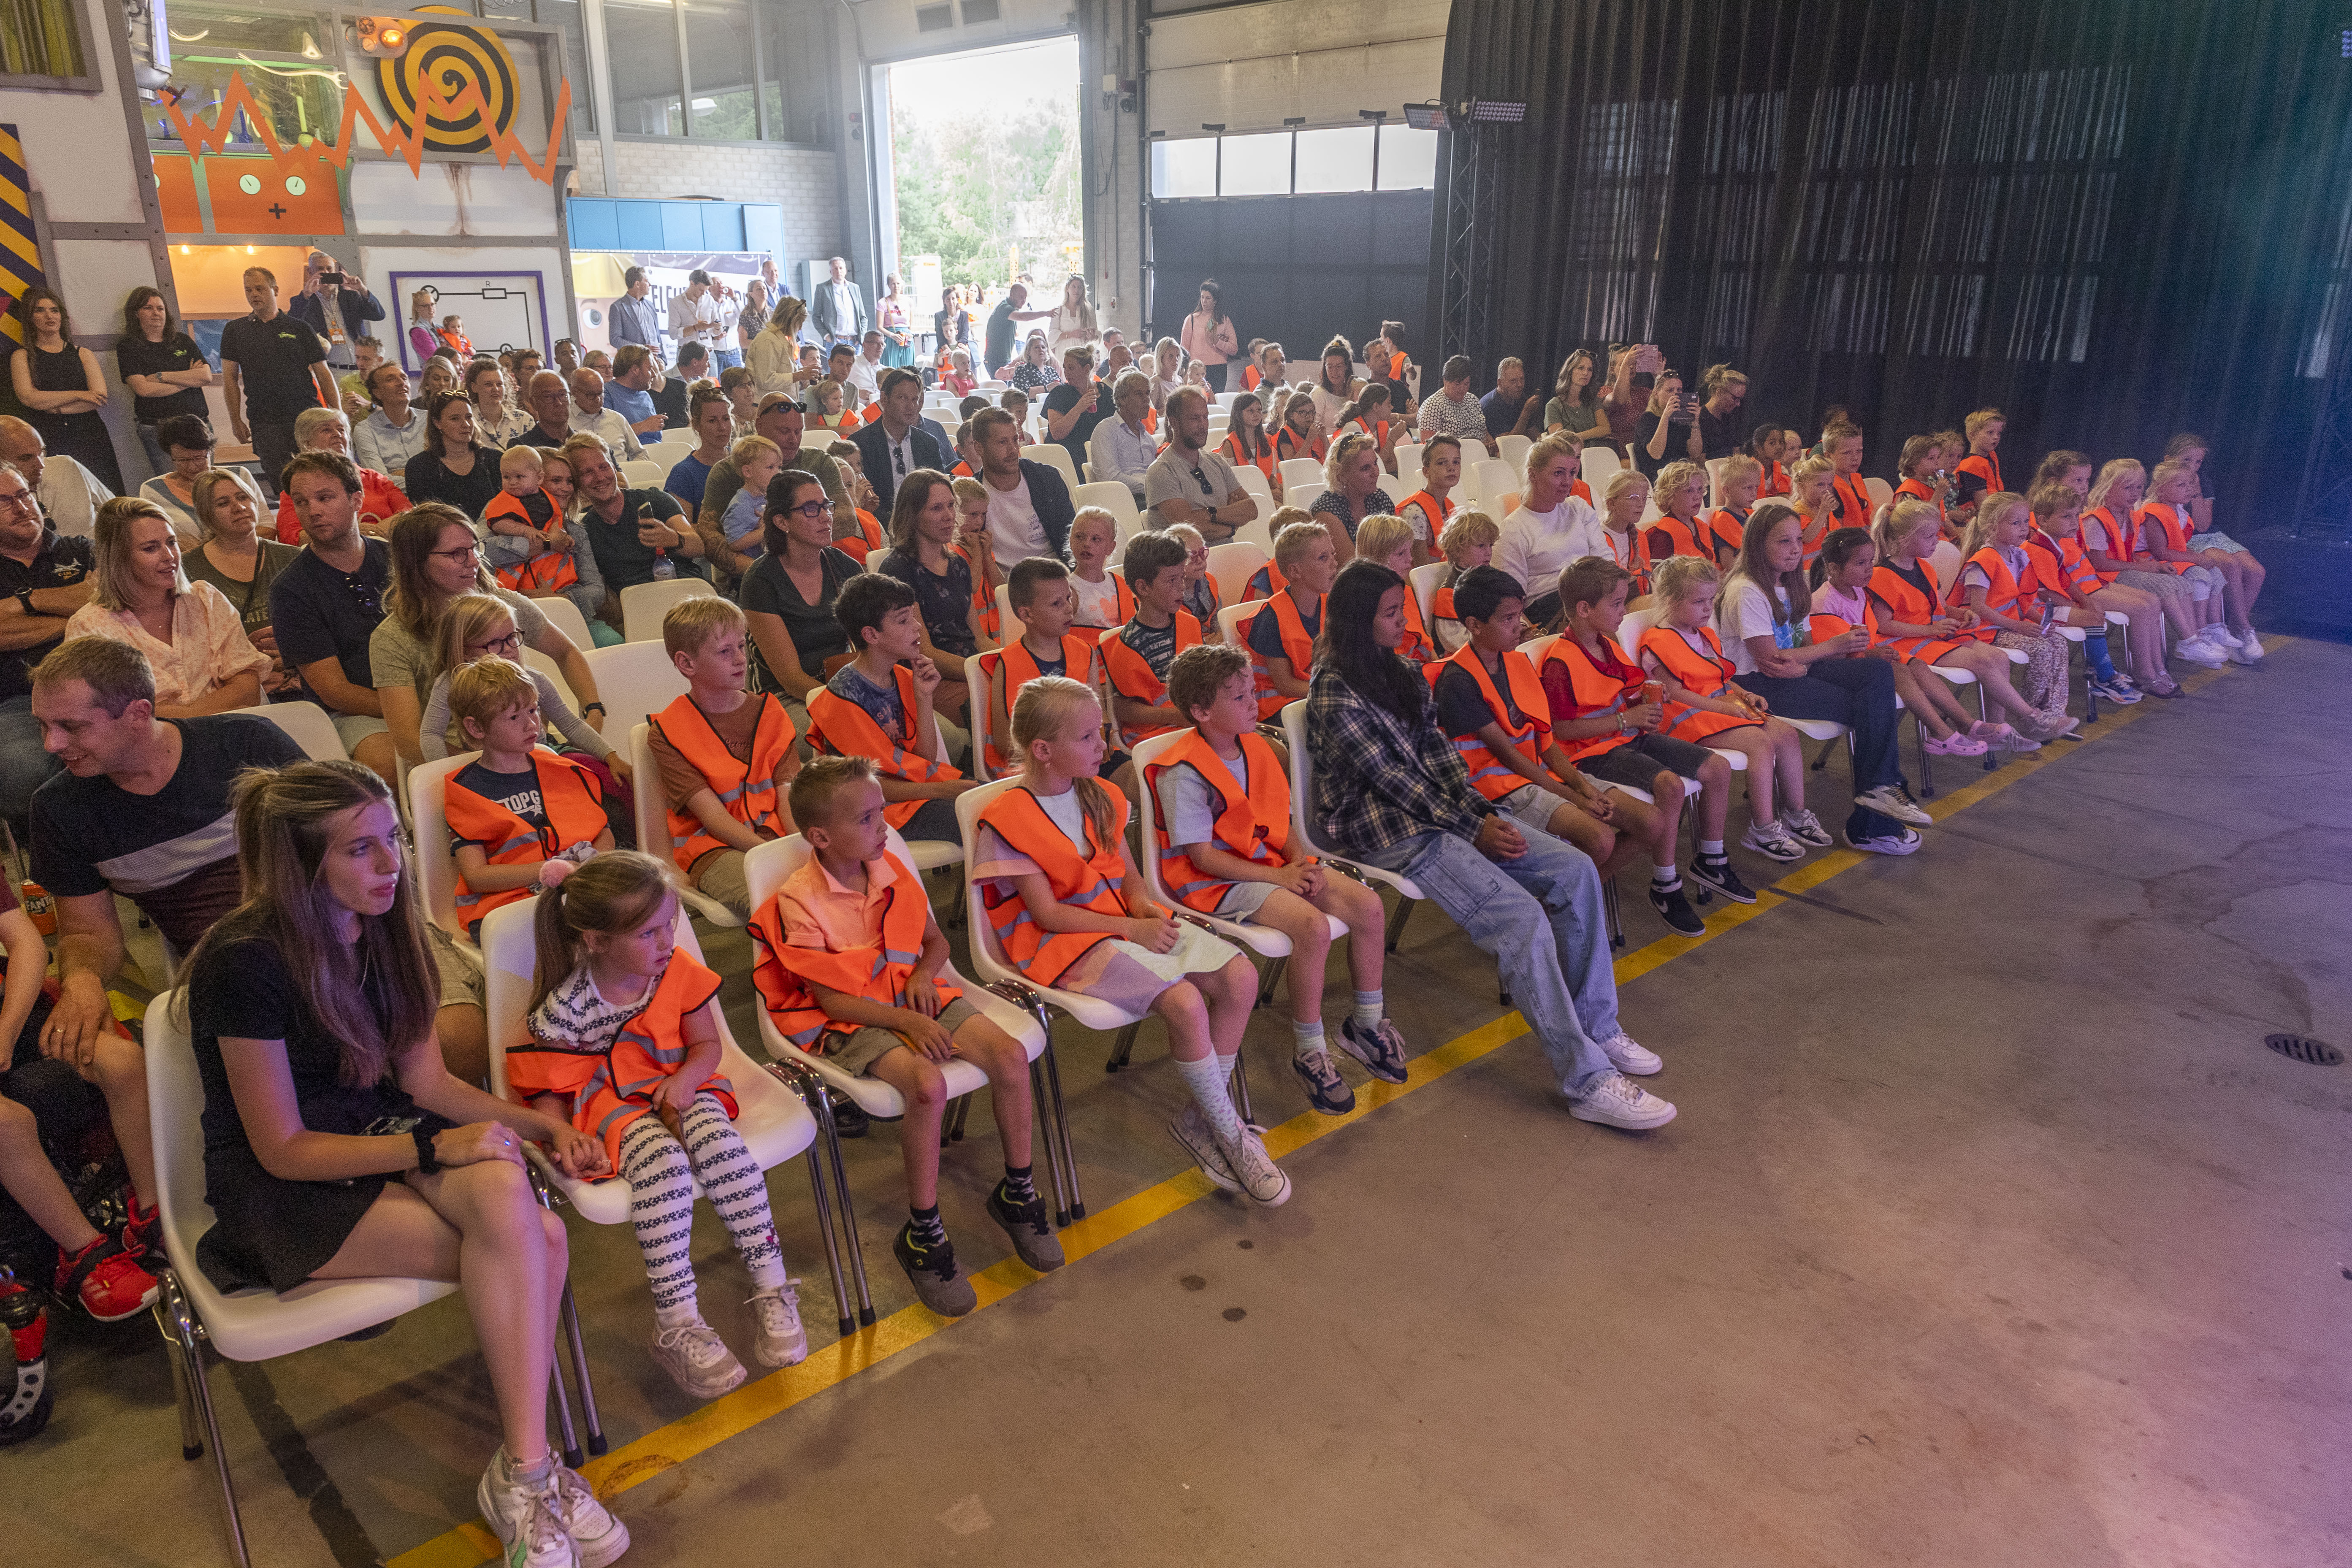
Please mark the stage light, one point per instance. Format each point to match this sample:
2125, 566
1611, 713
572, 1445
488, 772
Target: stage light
385, 38
1212, 130
1426, 116
1498, 113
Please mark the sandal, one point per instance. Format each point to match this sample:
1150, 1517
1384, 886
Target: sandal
1991, 732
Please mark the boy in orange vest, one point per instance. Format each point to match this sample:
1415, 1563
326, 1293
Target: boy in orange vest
518, 806
1222, 807
1039, 592
1282, 634
849, 966
879, 706
1135, 656
725, 756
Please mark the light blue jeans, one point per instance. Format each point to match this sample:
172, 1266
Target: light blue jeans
726, 359
1540, 916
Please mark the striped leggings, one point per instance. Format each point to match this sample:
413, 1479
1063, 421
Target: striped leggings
660, 1172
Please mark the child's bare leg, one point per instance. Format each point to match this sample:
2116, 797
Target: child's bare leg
1000, 1056
1989, 664
27, 1176
1751, 743
1714, 799
1310, 951
1366, 920
1908, 687
1230, 993
924, 1087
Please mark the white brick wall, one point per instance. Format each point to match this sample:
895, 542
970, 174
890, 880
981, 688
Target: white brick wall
797, 180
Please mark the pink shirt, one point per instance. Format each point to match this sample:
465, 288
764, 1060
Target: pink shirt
1208, 347
208, 646
819, 912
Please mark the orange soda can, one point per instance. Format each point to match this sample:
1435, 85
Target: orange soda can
41, 906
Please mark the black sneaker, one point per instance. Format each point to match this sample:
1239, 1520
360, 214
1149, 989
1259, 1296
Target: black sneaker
1327, 1092
938, 1283
849, 1120
1032, 1239
1675, 909
1719, 876
1380, 1048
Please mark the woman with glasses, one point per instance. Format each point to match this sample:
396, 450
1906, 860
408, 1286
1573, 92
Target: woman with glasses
187, 443
191, 634
436, 559
790, 591
231, 555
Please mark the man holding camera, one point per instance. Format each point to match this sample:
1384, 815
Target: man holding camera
332, 303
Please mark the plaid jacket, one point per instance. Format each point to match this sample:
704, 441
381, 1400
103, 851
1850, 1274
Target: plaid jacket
1378, 782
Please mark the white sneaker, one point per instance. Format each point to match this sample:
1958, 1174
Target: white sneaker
524, 1519
600, 1537
1627, 1056
697, 1359
1260, 1177
1772, 841
1190, 1130
2251, 645
776, 1317
1806, 828
1617, 1101
2223, 635
2197, 650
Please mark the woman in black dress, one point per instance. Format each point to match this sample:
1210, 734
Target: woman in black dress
455, 467
336, 1144
61, 387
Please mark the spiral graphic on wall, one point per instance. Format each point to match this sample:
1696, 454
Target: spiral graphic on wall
442, 58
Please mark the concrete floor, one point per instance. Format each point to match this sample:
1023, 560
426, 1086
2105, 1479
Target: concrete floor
1989, 1234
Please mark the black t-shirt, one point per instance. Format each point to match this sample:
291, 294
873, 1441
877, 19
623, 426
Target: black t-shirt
669, 402
816, 631
59, 563
173, 853
625, 562
137, 356
1717, 435
274, 357
945, 599
1000, 334
519, 792
319, 612
1462, 707
1067, 397
427, 477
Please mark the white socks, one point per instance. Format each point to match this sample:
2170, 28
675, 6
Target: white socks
1306, 1039
1206, 1079
1370, 1010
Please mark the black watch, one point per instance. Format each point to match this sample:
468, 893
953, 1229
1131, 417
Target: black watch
25, 597
426, 1164
592, 707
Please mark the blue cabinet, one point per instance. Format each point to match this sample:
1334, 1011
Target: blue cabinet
607, 223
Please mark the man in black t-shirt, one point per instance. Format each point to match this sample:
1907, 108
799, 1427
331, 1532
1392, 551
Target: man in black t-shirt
1073, 408
277, 367
43, 581
629, 531
142, 810
325, 607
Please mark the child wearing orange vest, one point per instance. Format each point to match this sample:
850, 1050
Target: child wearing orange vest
1675, 531
2111, 532
1921, 467
1198, 596
1770, 446
1100, 598
475, 627
2243, 576
1704, 705
625, 1040
1389, 540
1848, 499
529, 548
979, 551
1224, 822
1430, 507
1066, 904
1997, 580
726, 757
1268, 580
1808, 492
1734, 489
880, 706
2166, 524
1468, 542
1249, 441
1039, 593
1910, 609
518, 806
1841, 580
850, 968
1977, 475
1298, 436
1135, 656
1281, 634
2054, 540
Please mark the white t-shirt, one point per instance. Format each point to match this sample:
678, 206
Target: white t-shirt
1012, 526
1744, 614
1535, 545
1094, 604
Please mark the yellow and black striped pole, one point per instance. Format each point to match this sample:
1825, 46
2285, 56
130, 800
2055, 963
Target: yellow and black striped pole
20, 253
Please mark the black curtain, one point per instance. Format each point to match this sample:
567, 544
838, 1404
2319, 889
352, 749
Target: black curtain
2113, 220
1294, 270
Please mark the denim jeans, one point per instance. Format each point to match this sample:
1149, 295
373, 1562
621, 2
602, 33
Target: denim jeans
24, 765
1540, 916
1858, 693
726, 359
158, 460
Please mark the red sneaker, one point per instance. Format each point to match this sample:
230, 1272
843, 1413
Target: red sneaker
108, 1280
142, 1230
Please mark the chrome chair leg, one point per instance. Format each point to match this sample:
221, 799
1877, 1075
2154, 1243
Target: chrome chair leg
1240, 1083
1396, 927
186, 1335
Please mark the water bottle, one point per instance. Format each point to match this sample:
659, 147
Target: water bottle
663, 567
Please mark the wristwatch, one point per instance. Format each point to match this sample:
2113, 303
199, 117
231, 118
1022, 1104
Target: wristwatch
24, 598
426, 1164
586, 707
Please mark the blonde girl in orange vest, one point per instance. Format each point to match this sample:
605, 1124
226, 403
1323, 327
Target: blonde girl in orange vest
1908, 606
1681, 487
1431, 507
849, 968
1621, 534
1808, 492
2054, 540
1841, 605
1736, 485
2111, 532
1200, 598
518, 806
1684, 654
476, 627
2244, 574
1100, 600
1922, 466
623, 1040
1389, 540
1225, 848
2166, 524
1999, 583
1063, 895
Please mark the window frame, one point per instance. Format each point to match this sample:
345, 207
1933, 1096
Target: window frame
93, 78
760, 82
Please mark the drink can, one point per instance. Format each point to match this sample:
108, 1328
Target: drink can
1652, 693
42, 908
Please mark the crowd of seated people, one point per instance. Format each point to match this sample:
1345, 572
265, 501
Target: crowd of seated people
1509, 709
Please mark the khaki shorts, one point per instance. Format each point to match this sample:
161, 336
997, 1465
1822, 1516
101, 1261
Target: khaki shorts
857, 1052
461, 977
719, 877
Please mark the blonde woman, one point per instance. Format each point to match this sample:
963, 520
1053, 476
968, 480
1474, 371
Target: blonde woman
1351, 478
191, 634
231, 555
1071, 324
773, 354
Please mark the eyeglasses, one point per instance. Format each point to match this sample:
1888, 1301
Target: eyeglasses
19, 500
463, 552
504, 646
812, 510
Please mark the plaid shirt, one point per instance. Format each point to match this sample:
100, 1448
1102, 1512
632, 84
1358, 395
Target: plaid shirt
1443, 416
1378, 782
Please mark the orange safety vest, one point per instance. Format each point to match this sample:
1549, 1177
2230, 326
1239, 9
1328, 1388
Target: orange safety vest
1597, 692
1297, 647
1253, 824
1986, 467
1416, 646
1441, 605
1020, 668
857, 548
1724, 529
1130, 674
747, 790
1678, 540
1265, 583
2059, 560
877, 972
569, 795
2118, 541
1849, 502
1088, 882
1251, 376
1361, 422
1776, 482
549, 572
1264, 462
1915, 608
1435, 510
2008, 594
1823, 626
842, 727
611, 1088
983, 596
1816, 529
1122, 603
1703, 674
2177, 530
1488, 775
1288, 444
1634, 557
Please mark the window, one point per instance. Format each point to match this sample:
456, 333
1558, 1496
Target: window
648, 87
795, 50
720, 62
1335, 160
1185, 168
46, 43
276, 54
1254, 165
740, 65
565, 13
1407, 159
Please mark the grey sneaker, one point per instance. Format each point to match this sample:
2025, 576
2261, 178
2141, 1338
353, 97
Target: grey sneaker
1616, 1101
1026, 1222
524, 1518
1803, 824
600, 1537
1327, 1092
1261, 1178
697, 1359
1893, 800
940, 1283
1380, 1048
1773, 842
776, 1318
1191, 1130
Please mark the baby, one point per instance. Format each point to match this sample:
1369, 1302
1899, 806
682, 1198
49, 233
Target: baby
759, 460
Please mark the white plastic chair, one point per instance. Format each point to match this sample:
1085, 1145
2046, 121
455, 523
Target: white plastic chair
1715, 480
1946, 559
1408, 474
1600, 466
1302, 791
636, 680
1230, 618
437, 857
779, 1105
1297, 471
257, 1324
1257, 530
643, 473
1058, 456
1490, 479
1879, 491
1513, 449
651, 805
1115, 497
1425, 580
565, 617
1231, 567
1303, 495
976, 714
1252, 479
765, 869
643, 604
307, 726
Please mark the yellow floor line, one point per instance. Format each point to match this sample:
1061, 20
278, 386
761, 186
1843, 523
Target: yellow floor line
734, 1414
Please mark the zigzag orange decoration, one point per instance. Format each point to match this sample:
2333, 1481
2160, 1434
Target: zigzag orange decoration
202, 135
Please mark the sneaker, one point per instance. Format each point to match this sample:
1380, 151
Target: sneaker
697, 1359
2115, 692
1673, 907
1261, 1178
1954, 745
940, 1284
1903, 842
1894, 800
2060, 727
1719, 876
1807, 828
1380, 1048
1190, 1128
1617, 1101
1991, 732
849, 1118
1772, 841
598, 1536
2223, 637
1628, 1056
1327, 1092
142, 1230
107, 1280
2250, 645
2197, 650
1032, 1239
2167, 691
526, 1520
776, 1322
